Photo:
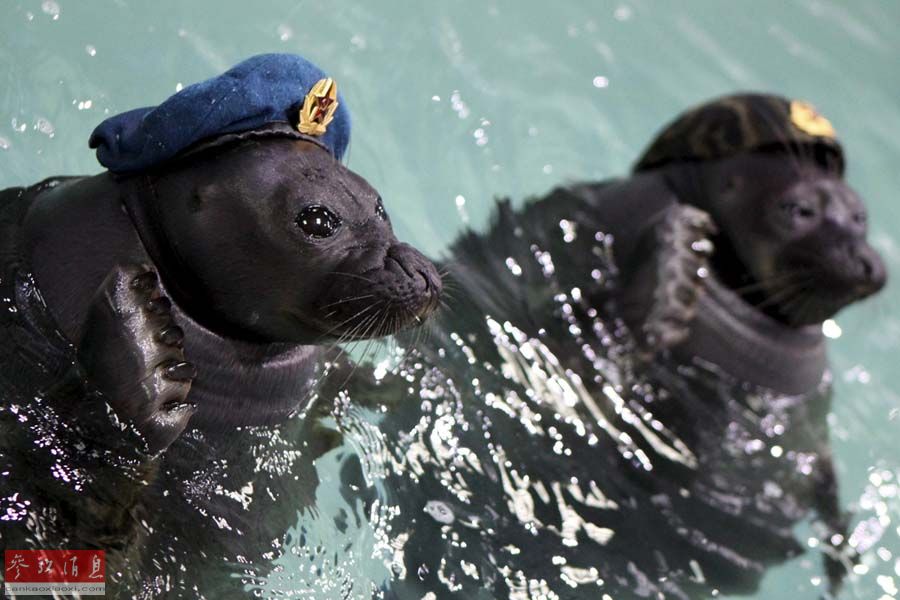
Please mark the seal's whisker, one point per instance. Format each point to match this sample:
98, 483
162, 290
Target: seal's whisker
371, 331
359, 332
348, 319
351, 299
369, 322
799, 315
783, 294
354, 275
370, 345
343, 351
800, 307
364, 332
449, 294
379, 330
422, 336
346, 335
447, 263
770, 281
779, 295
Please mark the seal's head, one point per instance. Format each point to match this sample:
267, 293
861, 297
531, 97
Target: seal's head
257, 229
792, 233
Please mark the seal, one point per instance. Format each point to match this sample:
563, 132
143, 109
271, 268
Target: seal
216, 277
683, 304
737, 237
200, 286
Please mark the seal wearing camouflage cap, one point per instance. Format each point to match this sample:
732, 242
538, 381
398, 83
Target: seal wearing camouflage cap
735, 237
762, 210
207, 270
751, 241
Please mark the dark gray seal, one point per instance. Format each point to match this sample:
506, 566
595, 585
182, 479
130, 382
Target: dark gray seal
717, 260
168, 326
218, 283
204, 302
738, 236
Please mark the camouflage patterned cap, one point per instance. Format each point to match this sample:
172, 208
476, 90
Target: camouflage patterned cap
745, 122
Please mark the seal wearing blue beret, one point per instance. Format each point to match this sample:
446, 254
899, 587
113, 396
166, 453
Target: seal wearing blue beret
207, 275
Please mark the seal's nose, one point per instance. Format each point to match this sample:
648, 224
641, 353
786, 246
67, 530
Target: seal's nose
422, 272
871, 270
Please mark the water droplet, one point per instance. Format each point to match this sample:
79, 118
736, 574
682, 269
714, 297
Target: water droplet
285, 33
458, 106
831, 329
44, 126
513, 266
49, 7
568, 228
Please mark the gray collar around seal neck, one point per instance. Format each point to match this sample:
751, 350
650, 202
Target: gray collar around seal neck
245, 383
752, 347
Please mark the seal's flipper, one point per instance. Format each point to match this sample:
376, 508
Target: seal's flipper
681, 247
132, 350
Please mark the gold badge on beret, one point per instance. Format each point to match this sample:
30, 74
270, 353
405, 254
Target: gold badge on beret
807, 119
318, 107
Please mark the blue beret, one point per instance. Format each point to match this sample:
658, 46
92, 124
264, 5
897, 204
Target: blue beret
269, 88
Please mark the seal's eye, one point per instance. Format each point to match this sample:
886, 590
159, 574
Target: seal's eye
318, 222
379, 210
796, 210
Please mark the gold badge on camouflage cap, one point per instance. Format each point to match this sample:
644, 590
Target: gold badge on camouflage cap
807, 119
318, 107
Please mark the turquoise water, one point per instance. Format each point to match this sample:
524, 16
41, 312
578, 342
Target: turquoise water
460, 102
